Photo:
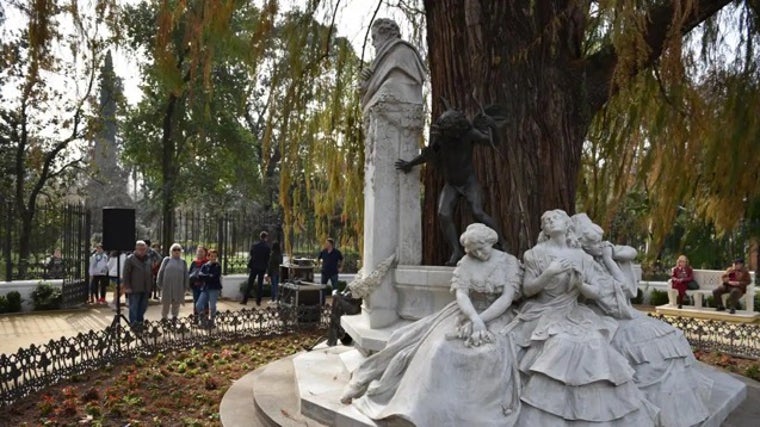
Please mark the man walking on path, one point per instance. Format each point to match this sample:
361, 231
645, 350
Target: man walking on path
332, 262
138, 282
258, 263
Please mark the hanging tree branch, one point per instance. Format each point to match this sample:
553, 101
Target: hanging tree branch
599, 68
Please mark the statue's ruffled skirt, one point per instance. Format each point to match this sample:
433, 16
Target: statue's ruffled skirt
430, 380
665, 370
573, 376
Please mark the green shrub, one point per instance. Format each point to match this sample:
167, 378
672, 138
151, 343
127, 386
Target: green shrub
351, 260
709, 301
14, 302
10, 303
757, 301
46, 297
639, 298
658, 297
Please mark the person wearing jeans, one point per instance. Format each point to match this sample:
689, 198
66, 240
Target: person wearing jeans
211, 275
138, 282
196, 284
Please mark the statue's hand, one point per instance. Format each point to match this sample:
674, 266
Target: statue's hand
480, 334
607, 249
403, 166
559, 266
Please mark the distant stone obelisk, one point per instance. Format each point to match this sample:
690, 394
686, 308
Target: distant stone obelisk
393, 121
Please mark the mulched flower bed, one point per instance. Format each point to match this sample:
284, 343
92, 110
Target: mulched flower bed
747, 367
182, 388
185, 388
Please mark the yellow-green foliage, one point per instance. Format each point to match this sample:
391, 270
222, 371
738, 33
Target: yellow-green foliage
685, 132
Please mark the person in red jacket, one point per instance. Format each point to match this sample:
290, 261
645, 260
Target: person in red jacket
680, 278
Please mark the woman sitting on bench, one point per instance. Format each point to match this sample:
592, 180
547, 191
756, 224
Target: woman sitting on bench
680, 278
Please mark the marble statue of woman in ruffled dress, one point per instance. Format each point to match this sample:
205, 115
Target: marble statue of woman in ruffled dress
661, 356
451, 368
571, 374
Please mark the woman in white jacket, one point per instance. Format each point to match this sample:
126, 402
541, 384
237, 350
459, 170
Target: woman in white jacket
98, 275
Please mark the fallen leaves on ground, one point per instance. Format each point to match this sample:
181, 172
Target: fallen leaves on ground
180, 388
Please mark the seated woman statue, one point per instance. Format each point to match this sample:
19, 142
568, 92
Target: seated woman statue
659, 353
450, 369
570, 373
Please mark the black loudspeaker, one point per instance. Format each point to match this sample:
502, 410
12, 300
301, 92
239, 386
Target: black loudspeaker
118, 229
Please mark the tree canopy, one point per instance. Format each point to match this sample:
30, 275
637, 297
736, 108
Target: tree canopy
648, 107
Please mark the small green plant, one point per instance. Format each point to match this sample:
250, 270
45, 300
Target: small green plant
753, 371
14, 301
46, 297
639, 298
658, 297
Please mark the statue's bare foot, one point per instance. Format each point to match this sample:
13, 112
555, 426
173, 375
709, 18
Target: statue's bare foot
351, 392
455, 257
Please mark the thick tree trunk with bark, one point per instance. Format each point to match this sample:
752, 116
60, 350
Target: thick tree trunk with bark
503, 53
169, 172
526, 56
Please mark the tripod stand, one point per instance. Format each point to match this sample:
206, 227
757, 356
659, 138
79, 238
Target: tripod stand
117, 317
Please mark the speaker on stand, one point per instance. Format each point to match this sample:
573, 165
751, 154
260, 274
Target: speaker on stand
119, 236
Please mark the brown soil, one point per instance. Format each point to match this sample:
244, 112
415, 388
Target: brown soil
181, 388
185, 388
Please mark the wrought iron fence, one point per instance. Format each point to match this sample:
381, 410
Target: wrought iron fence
737, 339
231, 233
66, 227
38, 367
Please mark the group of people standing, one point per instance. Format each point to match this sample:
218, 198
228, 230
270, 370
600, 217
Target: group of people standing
145, 273
264, 260
105, 268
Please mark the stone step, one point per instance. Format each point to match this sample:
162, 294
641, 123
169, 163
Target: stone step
265, 397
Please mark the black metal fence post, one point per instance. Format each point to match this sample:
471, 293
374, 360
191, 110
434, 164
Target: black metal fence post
8, 223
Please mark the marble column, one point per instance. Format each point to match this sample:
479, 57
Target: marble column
392, 199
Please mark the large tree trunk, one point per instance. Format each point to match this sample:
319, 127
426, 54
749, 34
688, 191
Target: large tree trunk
169, 171
503, 52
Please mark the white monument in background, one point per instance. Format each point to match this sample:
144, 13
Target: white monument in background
393, 121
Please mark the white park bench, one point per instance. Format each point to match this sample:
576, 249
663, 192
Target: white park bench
708, 280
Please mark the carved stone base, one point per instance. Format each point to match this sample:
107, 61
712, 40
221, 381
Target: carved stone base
421, 289
310, 385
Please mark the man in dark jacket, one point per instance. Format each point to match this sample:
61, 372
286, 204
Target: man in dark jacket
257, 263
138, 282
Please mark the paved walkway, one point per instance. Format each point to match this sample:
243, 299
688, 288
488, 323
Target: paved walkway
18, 331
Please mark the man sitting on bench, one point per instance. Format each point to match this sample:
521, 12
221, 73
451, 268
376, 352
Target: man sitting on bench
735, 282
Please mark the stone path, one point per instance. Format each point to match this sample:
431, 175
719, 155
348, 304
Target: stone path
17, 331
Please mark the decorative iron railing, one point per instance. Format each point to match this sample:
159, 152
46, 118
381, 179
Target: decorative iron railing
37, 367
40, 366
736, 339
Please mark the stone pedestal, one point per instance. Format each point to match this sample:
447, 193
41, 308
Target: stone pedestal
305, 390
392, 206
420, 290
